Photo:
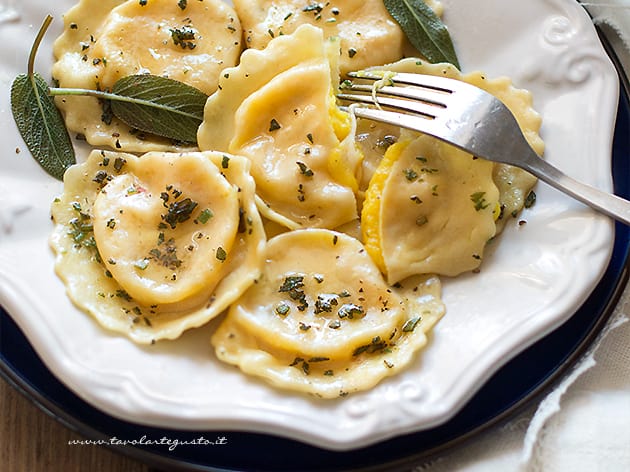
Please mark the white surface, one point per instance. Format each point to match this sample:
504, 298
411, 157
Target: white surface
535, 276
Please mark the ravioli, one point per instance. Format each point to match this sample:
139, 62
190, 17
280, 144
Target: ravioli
105, 40
368, 35
278, 109
156, 244
447, 203
322, 320
434, 209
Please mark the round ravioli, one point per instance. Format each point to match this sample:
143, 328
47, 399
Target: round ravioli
103, 41
452, 203
142, 226
322, 320
156, 244
368, 34
277, 108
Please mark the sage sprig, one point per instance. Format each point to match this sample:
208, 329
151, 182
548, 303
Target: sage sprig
424, 29
37, 118
153, 104
172, 109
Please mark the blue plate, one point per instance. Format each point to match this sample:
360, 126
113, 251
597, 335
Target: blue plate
519, 382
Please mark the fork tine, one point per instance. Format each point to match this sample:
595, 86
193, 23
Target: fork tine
420, 80
426, 95
418, 123
424, 109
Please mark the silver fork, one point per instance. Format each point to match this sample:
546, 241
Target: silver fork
470, 119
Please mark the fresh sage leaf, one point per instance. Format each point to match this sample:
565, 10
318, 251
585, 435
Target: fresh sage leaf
424, 29
38, 120
161, 106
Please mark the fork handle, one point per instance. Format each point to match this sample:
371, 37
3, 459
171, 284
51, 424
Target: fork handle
607, 203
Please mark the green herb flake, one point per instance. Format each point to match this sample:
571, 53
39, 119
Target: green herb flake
274, 125
178, 211
376, 346
325, 303
124, 295
283, 309
479, 200
100, 177
167, 255
530, 199
319, 359
291, 283
411, 324
350, 311
304, 170
119, 163
335, 324
183, 37
410, 174
205, 216
221, 254
422, 220
313, 7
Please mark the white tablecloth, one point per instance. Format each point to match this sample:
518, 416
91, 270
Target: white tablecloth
583, 424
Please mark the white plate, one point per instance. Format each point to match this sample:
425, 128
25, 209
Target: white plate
534, 278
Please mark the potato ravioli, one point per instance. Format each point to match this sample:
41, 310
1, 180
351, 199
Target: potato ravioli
322, 319
315, 239
105, 40
277, 107
156, 244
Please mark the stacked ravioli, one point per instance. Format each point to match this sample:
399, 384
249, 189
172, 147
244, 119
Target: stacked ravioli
316, 240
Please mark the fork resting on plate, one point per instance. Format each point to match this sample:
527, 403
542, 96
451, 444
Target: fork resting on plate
471, 119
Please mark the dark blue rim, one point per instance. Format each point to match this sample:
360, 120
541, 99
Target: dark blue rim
521, 381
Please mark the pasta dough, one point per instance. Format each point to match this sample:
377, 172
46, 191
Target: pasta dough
277, 108
368, 35
322, 320
105, 40
157, 244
